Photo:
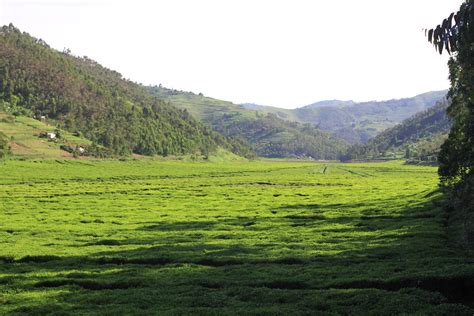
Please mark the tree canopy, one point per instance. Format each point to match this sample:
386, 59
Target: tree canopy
447, 34
456, 35
456, 158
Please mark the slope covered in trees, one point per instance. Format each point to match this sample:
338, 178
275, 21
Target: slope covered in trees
269, 135
356, 122
81, 95
419, 137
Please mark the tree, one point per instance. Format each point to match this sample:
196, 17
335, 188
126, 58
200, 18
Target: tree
4, 147
456, 158
407, 153
455, 35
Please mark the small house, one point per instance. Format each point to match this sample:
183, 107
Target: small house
51, 135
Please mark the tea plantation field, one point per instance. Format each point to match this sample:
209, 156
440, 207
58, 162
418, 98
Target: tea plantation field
168, 237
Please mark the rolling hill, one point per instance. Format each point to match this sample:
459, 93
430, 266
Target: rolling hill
80, 95
355, 122
268, 135
418, 137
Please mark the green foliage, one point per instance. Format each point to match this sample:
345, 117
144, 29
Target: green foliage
166, 237
418, 138
83, 96
451, 31
457, 154
268, 135
456, 158
4, 146
275, 138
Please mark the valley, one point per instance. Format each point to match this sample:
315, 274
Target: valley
124, 197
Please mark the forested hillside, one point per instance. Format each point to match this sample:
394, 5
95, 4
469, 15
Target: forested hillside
269, 135
419, 137
352, 121
82, 96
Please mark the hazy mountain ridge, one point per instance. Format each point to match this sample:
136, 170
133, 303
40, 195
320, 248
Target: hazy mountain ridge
356, 122
419, 136
331, 103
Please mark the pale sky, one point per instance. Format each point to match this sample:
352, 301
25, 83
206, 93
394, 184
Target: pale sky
285, 53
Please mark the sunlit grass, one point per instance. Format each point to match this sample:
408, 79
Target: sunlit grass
217, 238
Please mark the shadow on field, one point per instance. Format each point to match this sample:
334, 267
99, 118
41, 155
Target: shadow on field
230, 223
388, 259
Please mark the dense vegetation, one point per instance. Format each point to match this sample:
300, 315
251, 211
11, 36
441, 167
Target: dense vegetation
457, 155
456, 35
4, 146
268, 135
146, 237
417, 138
356, 122
273, 137
81, 95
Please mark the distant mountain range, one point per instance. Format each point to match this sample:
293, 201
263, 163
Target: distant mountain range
418, 137
355, 122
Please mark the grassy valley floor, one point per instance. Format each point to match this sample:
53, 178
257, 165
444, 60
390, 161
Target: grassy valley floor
168, 237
